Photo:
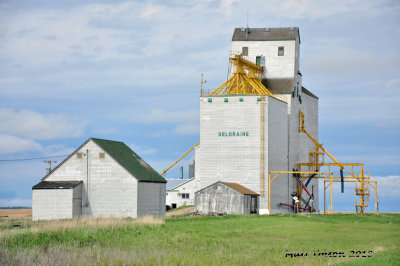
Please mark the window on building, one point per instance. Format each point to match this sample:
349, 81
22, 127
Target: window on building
102, 155
258, 60
281, 51
185, 195
245, 51
79, 155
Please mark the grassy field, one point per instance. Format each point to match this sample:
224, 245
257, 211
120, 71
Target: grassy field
16, 213
208, 240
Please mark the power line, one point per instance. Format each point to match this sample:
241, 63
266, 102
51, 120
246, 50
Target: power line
30, 159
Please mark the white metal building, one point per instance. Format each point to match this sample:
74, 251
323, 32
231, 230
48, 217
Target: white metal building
242, 137
101, 178
180, 192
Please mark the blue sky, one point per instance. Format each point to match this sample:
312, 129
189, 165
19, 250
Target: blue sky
130, 71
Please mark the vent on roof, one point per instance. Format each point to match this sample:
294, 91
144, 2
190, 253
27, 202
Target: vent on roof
267, 29
242, 29
291, 28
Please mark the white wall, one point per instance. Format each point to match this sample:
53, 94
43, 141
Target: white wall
174, 196
285, 66
52, 204
112, 190
237, 158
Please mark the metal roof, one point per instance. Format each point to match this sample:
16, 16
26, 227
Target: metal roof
128, 159
279, 86
56, 184
175, 183
309, 93
284, 86
262, 34
241, 188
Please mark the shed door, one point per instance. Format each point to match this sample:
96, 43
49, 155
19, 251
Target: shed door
253, 205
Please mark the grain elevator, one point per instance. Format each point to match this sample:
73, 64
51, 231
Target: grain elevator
249, 125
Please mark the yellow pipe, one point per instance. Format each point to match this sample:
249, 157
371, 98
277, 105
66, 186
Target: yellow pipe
324, 195
331, 196
269, 193
180, 158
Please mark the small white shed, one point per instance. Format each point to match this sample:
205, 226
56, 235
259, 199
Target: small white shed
67, 205
100, 178
180, 192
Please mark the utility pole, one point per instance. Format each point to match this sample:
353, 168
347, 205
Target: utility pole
50, 162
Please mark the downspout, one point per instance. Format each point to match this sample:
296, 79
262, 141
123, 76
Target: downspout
87, 177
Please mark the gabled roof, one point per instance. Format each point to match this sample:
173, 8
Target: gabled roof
57, 184
175, 183
126, 157
241, 188
265, 34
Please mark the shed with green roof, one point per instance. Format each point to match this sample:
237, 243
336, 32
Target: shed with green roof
114, 181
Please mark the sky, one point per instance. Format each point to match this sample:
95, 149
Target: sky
130, 71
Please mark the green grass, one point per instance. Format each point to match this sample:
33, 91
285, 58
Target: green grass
207, 240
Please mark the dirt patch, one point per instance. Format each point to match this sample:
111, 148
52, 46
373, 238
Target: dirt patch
15, 213
379, 249
186, 211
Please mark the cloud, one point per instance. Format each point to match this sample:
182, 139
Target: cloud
187, 129
314, 9
164, 116
15, 203
342, 61
143, 150
150, 10
388, 186
11, 144
6, 194
56, 150
34, 125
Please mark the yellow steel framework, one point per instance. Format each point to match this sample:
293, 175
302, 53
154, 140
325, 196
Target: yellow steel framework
348, 172
353, 172
246, 79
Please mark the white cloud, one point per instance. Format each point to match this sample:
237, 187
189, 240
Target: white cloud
164, 116
34, 125
56, 150
187, 129
11, 144
319, 9
388, 186
150, 10
143, 150
15, 202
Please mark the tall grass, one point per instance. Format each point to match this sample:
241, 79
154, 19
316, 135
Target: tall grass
202, 240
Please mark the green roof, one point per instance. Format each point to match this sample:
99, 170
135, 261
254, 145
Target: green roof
128, 159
